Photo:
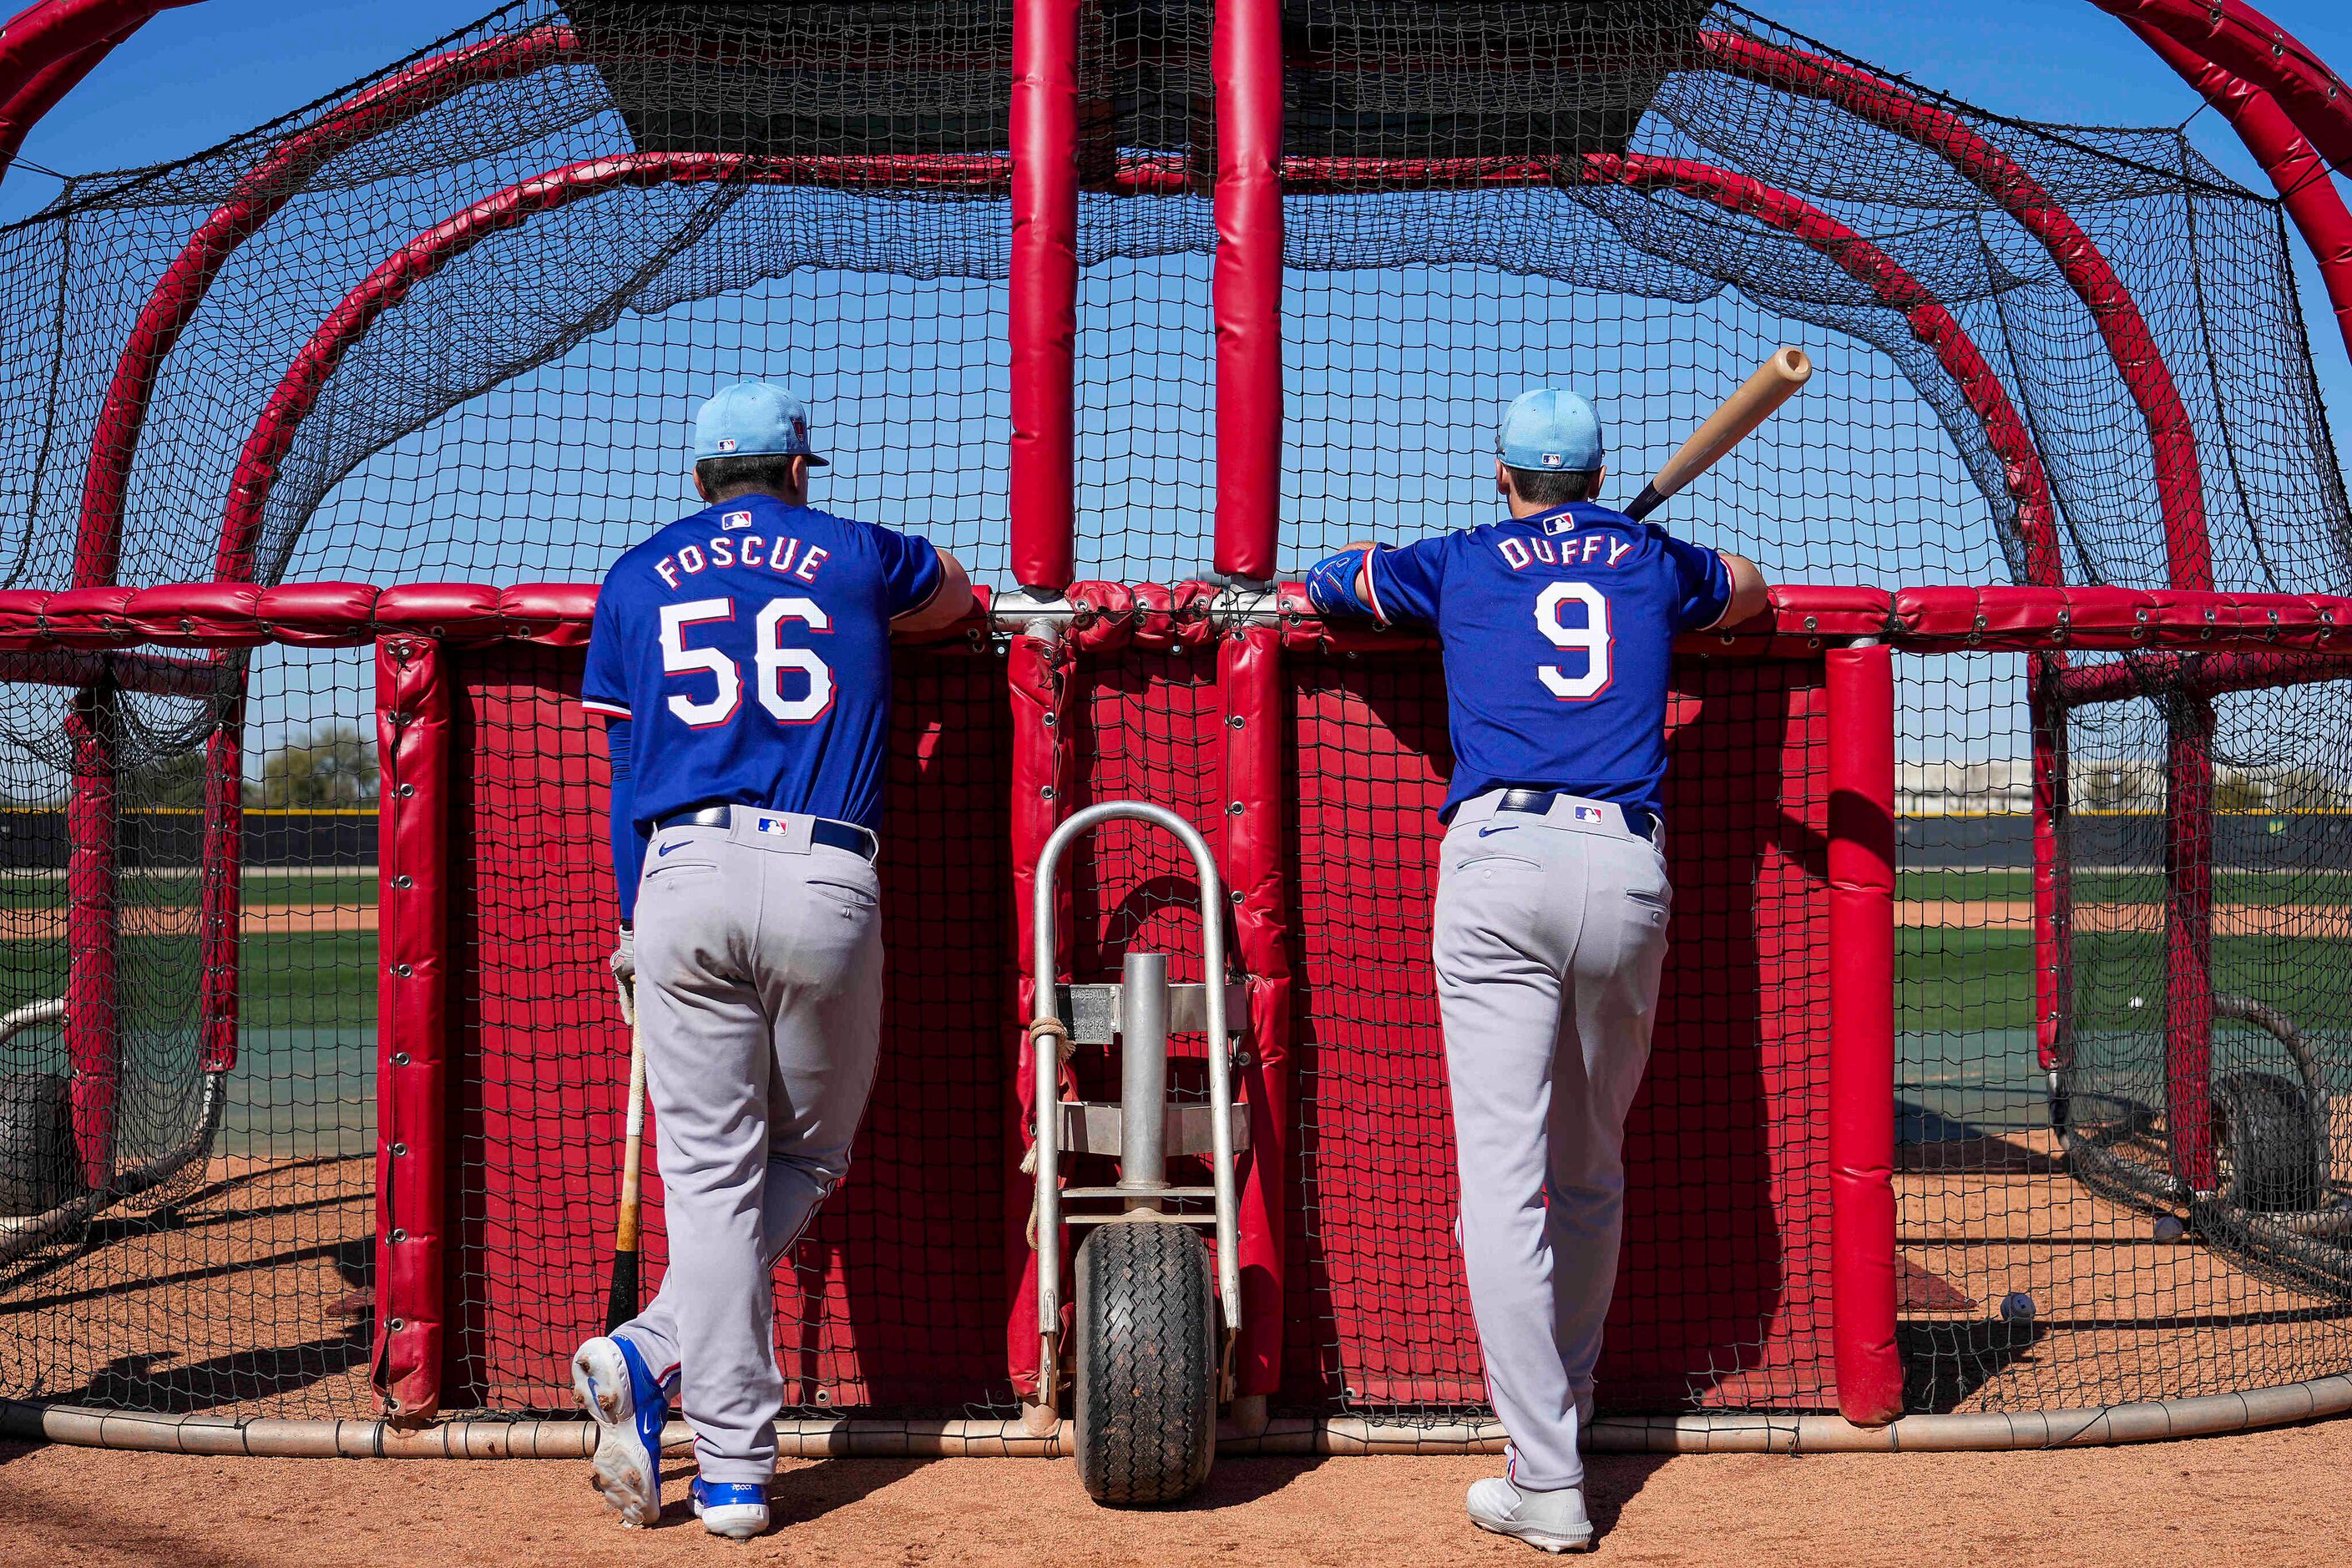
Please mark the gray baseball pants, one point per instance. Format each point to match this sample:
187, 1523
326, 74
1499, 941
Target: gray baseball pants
1550, 934
759, 997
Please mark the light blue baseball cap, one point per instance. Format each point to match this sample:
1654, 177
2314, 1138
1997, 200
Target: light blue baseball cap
1551, 429
754, 419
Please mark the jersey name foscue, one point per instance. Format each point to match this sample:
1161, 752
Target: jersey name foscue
786, 560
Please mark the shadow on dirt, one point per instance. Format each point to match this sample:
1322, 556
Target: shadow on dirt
1943, 1363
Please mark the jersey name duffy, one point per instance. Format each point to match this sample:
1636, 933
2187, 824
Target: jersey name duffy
749, 646
1559, 632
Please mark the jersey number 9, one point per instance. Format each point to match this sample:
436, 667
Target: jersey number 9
1591, 639
770, 663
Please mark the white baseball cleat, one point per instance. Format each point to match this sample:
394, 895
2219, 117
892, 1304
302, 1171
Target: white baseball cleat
1549, 1521
630, 1407
736, 1509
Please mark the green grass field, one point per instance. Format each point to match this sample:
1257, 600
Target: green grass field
168, 890
1955, 979
2129, 887
1964, 999
314, 980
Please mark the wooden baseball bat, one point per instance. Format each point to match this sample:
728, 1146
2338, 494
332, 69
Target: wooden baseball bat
621, 1299
1772, 384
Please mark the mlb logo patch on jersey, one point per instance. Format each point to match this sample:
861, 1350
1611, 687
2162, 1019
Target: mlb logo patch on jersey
735, 520
1590, 814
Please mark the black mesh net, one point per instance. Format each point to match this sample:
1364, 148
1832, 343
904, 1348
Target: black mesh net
451, 323
818, 191
232, 1262
2063, 1240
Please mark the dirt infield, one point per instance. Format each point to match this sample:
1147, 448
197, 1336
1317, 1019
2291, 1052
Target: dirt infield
2324, 920
2269, 1498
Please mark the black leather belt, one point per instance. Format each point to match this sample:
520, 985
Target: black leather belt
1640, 821
825, 831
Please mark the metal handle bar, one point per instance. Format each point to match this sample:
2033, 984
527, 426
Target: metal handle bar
17, 1020
1049, 1064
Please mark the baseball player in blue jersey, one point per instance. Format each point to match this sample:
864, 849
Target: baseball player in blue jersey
1550, 924
740, 658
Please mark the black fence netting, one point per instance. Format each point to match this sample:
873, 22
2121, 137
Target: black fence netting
2123, 1161
451, 320
187, 1224
451, 323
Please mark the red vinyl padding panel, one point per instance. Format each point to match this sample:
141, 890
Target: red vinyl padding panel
1722, 1290
898, 1297
897, 1294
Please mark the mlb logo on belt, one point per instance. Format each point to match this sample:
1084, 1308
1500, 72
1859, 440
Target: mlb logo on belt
774, 824
1590, 814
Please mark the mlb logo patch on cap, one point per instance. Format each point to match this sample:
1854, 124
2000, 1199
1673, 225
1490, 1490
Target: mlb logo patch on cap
1550, 428
727, 443
1590, 814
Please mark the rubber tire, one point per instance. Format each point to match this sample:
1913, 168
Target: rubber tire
39, 1169
2274, 1146
1146, 1405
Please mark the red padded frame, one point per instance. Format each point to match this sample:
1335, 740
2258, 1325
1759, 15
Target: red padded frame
1861, 862
413, 1166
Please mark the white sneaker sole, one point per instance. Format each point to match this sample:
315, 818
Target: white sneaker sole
1541, 1540
736, 1521
628, 1476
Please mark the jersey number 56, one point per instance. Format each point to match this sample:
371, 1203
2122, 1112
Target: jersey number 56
811, 680
1553, 612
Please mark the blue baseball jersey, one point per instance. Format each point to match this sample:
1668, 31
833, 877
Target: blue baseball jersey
1557, 631
749, 648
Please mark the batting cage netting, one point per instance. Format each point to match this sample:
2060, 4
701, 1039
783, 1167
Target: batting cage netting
311, 1081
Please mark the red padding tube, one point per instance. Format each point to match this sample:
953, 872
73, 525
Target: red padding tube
2189, 942
2285, 154
1861, 682
260, 194
1044, 767
1245, 62
2054, 925
2207, 675
93, 1021
2138, 361
2247, 44
414, 1155
1249, 677
1043, 302
220, 900
44, 89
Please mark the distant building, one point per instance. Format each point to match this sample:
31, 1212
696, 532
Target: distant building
2004, 787
1964, 789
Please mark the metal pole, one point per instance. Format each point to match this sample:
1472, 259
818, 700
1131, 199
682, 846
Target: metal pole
1702, 1432
1143, 1079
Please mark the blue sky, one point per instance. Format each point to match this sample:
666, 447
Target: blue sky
195, 76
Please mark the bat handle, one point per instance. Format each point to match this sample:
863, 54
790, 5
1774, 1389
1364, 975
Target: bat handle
1643, 505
